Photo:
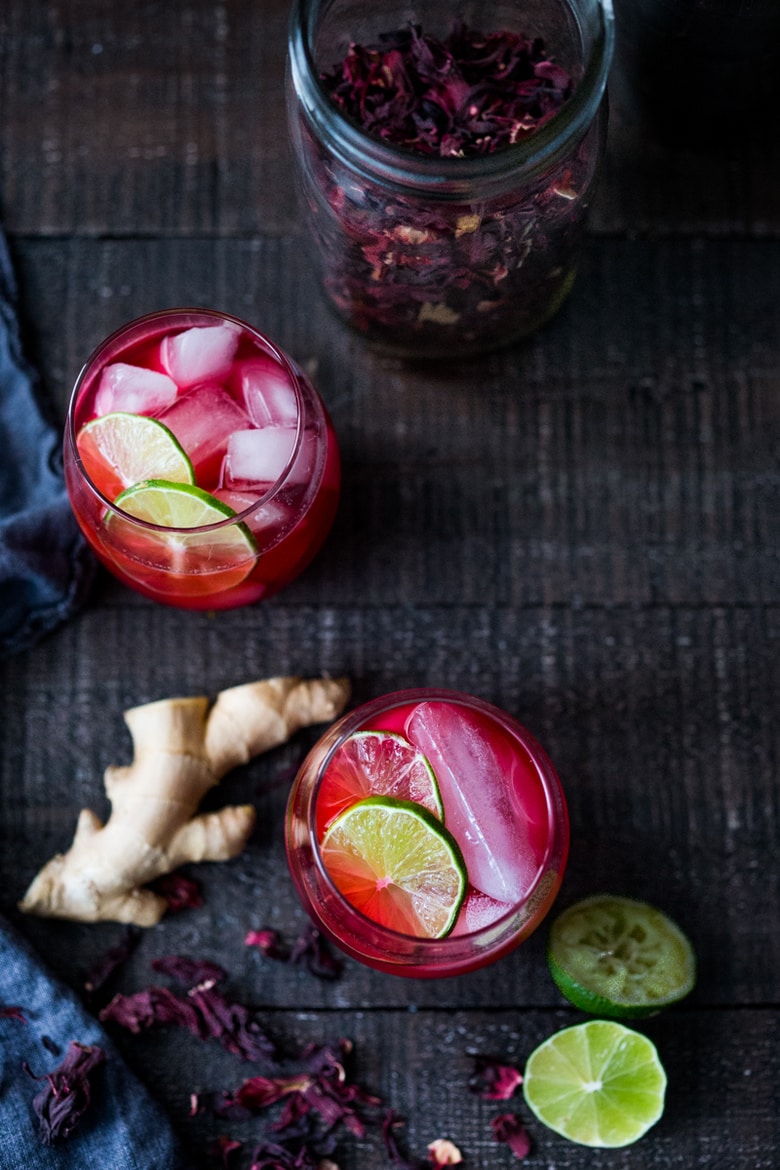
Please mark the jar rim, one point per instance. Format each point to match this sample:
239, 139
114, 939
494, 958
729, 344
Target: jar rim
450, 178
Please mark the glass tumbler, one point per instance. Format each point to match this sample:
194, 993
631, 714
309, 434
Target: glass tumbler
200, 461
430, 256
501, 802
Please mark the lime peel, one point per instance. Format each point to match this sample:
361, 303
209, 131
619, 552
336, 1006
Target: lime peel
620, 958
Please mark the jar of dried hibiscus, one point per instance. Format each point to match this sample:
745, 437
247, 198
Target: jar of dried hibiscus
447, 154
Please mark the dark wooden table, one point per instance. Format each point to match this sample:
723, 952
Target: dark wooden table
582, 529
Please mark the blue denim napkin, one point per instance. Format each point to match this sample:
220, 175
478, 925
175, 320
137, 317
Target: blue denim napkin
123, 1129
45, 565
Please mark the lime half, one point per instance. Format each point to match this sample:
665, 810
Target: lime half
226, 554
397, 864
598, 1084
376, 763
618, 957
121, 449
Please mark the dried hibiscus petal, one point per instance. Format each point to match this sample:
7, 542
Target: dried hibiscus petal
203, 1011
310, 949
68, 1094
443, 1152
180, 892
12, 1012
493, 1080
508, 1128
391, 1123
465, 94
456, 262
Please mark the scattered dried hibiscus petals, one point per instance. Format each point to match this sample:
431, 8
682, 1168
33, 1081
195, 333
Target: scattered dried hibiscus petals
68, 1094
203, 1010
469, 93
320, 1088
508, 1128
494, 1081
310, 949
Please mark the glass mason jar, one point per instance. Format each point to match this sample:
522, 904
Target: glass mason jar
511, 804
447, 256
200, 461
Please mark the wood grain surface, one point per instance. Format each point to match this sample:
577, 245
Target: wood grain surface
582, 529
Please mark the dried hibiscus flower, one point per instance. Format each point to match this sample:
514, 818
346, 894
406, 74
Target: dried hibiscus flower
467, 93
12, 1012
423, 256
508, 1128
493, 1080
61, 1105
310, 949
203, 1010
180, 892
391, 1123
444, 1153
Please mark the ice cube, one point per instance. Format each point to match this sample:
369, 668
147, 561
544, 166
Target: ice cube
471, 763
258, 456
267, 392
203, 420
134, 389
268, 516
479, 911
203, 353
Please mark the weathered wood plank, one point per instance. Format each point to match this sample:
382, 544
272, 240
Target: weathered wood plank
720, 1103
661, 723
625, 455
169, 119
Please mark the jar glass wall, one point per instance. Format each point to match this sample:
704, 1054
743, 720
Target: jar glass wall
443, 256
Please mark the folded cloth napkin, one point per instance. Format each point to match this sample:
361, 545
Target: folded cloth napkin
122, 1128
45, 566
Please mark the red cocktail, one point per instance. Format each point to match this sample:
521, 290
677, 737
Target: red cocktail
199, 460
427, 833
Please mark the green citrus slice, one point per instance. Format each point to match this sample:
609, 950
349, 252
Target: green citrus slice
376, 763
397, 864
598, 1084
618, 957
121, 449
226, 554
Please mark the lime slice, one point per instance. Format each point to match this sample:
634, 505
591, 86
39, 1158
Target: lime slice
376, 763
225, 554
618, 957
397, 864
598, 1084
121, 449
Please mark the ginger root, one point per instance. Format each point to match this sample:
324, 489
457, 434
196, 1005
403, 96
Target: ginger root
181, 750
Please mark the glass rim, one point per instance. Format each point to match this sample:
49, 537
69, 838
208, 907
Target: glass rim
500, 931
161, 315
451, 178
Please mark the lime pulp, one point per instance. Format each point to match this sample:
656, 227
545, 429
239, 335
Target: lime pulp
396, 863
618, 957
598, 1084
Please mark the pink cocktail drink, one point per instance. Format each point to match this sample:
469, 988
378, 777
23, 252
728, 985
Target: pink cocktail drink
225, 496
467, 777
